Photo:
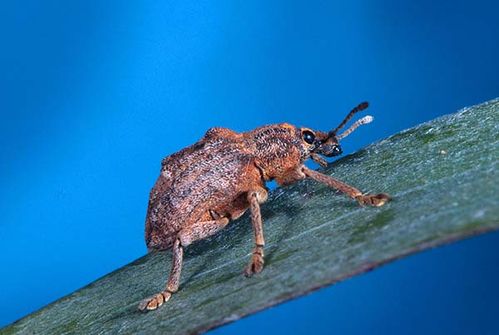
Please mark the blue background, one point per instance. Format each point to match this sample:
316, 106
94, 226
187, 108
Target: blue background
93, 94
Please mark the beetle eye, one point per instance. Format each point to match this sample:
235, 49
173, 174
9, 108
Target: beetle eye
308, 136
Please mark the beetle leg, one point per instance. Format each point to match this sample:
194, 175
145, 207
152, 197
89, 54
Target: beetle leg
186, 236
318, 159
290, 176
201, 230
364, 199
255, 198
160, 298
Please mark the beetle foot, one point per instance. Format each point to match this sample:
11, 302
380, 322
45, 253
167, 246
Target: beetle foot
255, 266
155, 301
376, 200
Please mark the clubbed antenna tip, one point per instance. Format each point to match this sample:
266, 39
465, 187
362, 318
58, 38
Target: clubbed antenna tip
365, 120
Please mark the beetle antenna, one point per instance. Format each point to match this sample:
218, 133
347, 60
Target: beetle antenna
365, 120
358, 108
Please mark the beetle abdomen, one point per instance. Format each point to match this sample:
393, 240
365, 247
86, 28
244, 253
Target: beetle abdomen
201, 177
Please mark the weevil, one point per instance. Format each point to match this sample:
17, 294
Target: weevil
203, 187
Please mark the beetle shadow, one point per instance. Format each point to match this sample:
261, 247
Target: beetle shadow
292, 208
240, 231
288, 211
235, 234
197, 249
363, 232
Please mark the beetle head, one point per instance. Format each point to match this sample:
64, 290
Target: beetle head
328, 144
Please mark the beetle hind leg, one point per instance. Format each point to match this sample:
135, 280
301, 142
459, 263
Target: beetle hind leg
160, 298
186, 236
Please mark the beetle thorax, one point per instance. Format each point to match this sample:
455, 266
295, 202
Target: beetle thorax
277, 149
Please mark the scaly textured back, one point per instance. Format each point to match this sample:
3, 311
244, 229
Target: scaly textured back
194, 180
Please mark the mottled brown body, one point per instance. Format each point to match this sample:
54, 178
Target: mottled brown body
204, 186
215, 174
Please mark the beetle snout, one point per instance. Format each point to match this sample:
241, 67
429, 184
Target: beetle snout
332, 150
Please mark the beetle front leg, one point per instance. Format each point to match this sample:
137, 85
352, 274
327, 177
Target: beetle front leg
318, 159
255, 198
364, 199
